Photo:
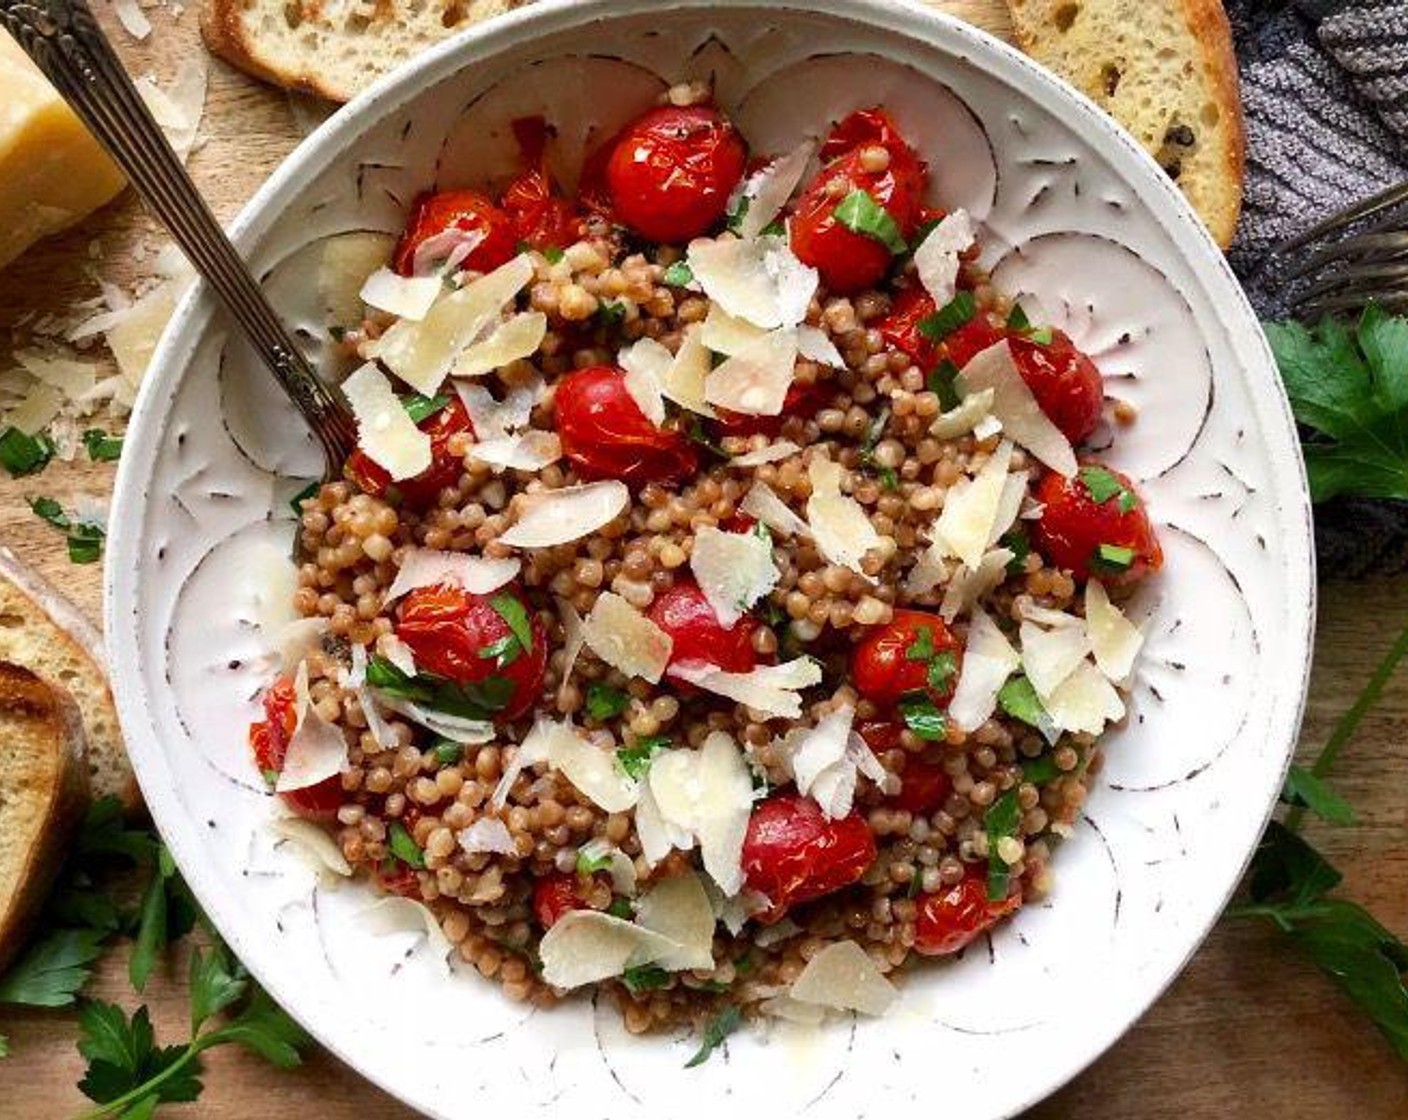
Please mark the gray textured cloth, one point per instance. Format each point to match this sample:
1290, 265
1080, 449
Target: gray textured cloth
1325, 94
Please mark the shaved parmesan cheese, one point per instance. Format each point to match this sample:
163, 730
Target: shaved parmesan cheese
843, 976
793, 1010
573, 638
763, 503
964, 417
768, 689
772, 453
381, 731
1015, 406
727, 334
678, 908
1045, 616
584, 946
645, 363
823, 764
72, 378
734, 570
422, 354
734, 912
839, 523
756, 379
38, 409
683, 380
515, 338
408, 297
487, 834
179, 108
312, 844
930, 570
625, 639
529, 451
134, 21
1114, 640
658, 837
988, 660
427, 567
397, 914
1084, 701
385, 431
533, 751
297, 639
397, 652
1050, 656
442, 253
492, 418
317, 749
815, 345
971, 508
591, 769
343, 266
133, 340
759, 279
555, 517
937, 258
971, 584
621, 867
1014, 489
708, 793
768, 189
458, 729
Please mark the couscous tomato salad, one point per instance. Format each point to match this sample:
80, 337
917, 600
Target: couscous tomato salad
718, 609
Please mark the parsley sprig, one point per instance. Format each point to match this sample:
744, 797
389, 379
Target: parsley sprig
85, 539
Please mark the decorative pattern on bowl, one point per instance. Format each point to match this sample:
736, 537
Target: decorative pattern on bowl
1076, 217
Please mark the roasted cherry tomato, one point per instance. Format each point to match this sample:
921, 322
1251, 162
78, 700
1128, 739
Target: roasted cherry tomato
470, 211
671, 171
900, 328
792, 853
863, 153
555, 896
269, 739
969, 340
1110, 539
685, 614
444, 469
951, 918
924, 787
897, 658
606, 435
460, 636
804, 400
541, 217
1064, 381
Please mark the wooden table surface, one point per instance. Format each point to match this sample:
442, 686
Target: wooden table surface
1249, 1026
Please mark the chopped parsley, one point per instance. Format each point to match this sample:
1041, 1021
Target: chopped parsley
698, 434
678, 275
941, 664
24, 454
611, 313
942, 383
1000, 821
468, 700
1019, 700
1017, 320
400, 844
1113, 558
510, 608
85, 539
719, 1028
1040, 770
590, 865
553, 254
922, 717
861, 214
420, 408
101, 447
1042, 336
620, 908
635, 760
949, 317
605, 702
1104, 485
645, 978
448, 752
1306, 789
1016, 541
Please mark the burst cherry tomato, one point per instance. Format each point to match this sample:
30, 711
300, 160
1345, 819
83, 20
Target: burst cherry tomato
450, 631
1110, 539
804, 400
849, 261
900, 329
269, 739
969, 340
606, 435
541, 217
1064, 381
555, 896
470, 211
924, 787
951, 918
792, 853
685, 614
897, 658
444, 469
671, 171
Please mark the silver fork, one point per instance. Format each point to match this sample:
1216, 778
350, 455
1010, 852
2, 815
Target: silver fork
1345, 273
65, 41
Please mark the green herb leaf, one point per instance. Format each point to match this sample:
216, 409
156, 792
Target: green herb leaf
1019, 700
85, 540
1112, 558
611, 313
4, 1047
215, 983
53, 969
922, 648
719, 1028
922, 717
263, 1027
420, 408
1350, 385
635, 760
167, 914
1304, 788
942, 668
447, 753
125, 1066
678, 275
296, 502
889, 478
949, 317
697, 433
619, 908
510, 608
553, 254
733, 220
101, 447
1100, 483
22, 454
1042, 336
104, 832
1017, 320
400, 844
860, 213
503, 652
1040, 770
605, 702
775, 228
942, 382
1019, 544
590, 865
1001, 820
471, 700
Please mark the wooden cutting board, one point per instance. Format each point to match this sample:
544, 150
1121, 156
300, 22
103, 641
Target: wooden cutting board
1248, 1021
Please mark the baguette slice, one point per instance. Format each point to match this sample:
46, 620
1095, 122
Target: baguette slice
1164, 70
43, 790
334, 50
42, 630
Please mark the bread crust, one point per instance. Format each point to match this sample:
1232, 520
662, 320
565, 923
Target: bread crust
224, 34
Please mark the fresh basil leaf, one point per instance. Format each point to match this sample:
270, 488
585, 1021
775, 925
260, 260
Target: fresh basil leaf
942, 382
922, 717
922, 648
53, 969
22, 454
678, 275
590, 865
1100, 483
861, 214
503, 652
619, 908
421, 408
447, 753
101, 447
1000, 821
1040, 770
469, 700
949, 317
1112, 558
635, 760
604, 702
510, 608
1019, 700
1019, 544
1017, 320
400, 844
1304, 788
719, 1028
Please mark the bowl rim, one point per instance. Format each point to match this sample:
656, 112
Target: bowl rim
194, 317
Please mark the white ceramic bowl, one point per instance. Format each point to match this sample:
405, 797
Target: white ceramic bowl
1074, 212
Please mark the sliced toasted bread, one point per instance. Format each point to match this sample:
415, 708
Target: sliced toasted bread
334, 50
1164, 70
43, 789
43, 631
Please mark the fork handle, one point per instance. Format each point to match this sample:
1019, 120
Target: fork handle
65, 41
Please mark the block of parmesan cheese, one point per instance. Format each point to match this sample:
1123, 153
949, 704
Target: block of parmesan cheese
52, 172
